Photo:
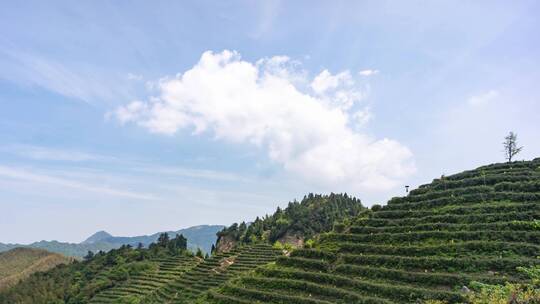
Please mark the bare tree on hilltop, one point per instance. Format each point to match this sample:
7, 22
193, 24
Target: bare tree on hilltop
510, 146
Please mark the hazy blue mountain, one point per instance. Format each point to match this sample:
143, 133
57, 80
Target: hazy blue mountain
5, 247
96, 237
202, 236
67, 249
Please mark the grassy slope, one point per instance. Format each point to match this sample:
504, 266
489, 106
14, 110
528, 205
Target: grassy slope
78, 282
147, 282
19, 263
212, 273
478, 225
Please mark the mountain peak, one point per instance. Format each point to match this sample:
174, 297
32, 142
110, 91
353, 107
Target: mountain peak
96, 237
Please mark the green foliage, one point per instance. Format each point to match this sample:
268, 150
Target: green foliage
313, 215
476, 226
199, 253
277, 245
178, 244
438, 263
303, 263
533, 225
212, 272
376, 207
282, 246
339, 227
163, 240
304, 281
19, 263
485, 235
128, 300
425, 279
309, 243
89, 255
455, 249
78, 282
533, 273
515, 293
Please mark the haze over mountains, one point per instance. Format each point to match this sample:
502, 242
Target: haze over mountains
202, 236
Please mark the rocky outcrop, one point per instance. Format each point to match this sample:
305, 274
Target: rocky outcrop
295, 239
225, 243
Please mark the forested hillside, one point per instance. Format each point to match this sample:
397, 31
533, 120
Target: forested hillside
79, 282
19, 263
441, 242
295, 224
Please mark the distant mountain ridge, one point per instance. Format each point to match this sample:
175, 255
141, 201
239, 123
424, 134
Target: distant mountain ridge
96, 237
202, 236
64, 248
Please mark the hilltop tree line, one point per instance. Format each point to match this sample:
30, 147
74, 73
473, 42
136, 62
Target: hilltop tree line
314, 214
79, 281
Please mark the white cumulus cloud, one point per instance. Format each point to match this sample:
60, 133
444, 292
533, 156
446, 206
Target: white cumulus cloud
326, 81
262, 103
362, 117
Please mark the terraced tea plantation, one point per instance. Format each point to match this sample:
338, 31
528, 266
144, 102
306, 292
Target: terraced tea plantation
477, 225
212, 273
143, 284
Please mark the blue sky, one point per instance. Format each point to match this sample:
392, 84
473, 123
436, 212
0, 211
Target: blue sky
147, 116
